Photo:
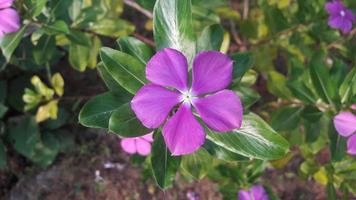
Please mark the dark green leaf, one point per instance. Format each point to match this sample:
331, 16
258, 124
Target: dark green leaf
331, 192
58, 27
109, 81
97, 111
3, 161
302, 92
44, 50
9, 42
3, 110
173, 26
3, 91
286, 118
197, 164
311, 113
255, 139
222, 153
79, 38
125, 123
348, 87
242, 63
337, 144
135, 48
248, 96
164, 165
211, 38
125, 69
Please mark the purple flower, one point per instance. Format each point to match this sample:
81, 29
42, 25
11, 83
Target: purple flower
257, 192
169, 96
340, 17
140, 145
10, 20
345, 125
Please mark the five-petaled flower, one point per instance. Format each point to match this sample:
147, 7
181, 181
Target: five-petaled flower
256, 192
340, 17
9, 18
169, 97
345, 125
140, 145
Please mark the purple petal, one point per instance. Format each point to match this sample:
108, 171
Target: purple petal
152, 104
182, 133
221, 111
212, 71
259, 193
335, 21
128, 145
334, 8
346, 26
143, 147
351, 145
148, 137
169, 68
345, 123
10, 20
349, 15
244, 195
5, 3
353, 106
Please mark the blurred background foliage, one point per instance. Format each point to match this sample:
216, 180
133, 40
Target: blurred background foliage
295, 71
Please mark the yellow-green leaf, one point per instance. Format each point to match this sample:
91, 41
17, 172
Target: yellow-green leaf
47, 111
58, 84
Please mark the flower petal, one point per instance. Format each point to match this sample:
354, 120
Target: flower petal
346, 26
212, 71
334, 8
182, 133
335, 21
349, 15
258, 192
345, 123
10, 20
143, 147
152, 104
5, 3
169, 68
221, 111
128, 145
351, 145
244, 195
148, 137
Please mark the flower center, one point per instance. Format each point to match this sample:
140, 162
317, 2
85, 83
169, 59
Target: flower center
187, 97
342, 13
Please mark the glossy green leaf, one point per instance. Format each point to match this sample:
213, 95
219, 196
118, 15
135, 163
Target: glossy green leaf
9, 42
44, 50
321, 81
173, 26
125, 123
135, 48
125, 69
97, 111
211, 38
109, 81
286, 118
79, 38
112, 27
94, 52
78, 56
302, 92
164, 165
58, 27
248, 96
337, 144
348, 87
255, 139
197, 164
222, 153
242, 63
311, 113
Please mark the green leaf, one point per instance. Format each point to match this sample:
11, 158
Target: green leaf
277, 85
112, 27
44, 50
78, 56
79, 38
211, 38
222, 153
3, 110
301, 91
94, 52
9, 42
321, 81
37, 7
331, 192
248, 96
337, 144
348, 87
164, 165
242, 63
58, 27
197, 164
3, 91
3, 161
97, 111
109, 81
286, 118
135, 48
173, 26
125, 123
255, 139
311, 113
125, 69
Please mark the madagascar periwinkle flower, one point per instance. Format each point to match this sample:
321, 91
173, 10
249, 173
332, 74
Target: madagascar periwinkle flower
170, 100
256, 192
340, 17
345, 125
9, 18
140, 145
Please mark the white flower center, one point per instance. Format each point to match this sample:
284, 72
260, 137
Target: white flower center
187, 97
342, 13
